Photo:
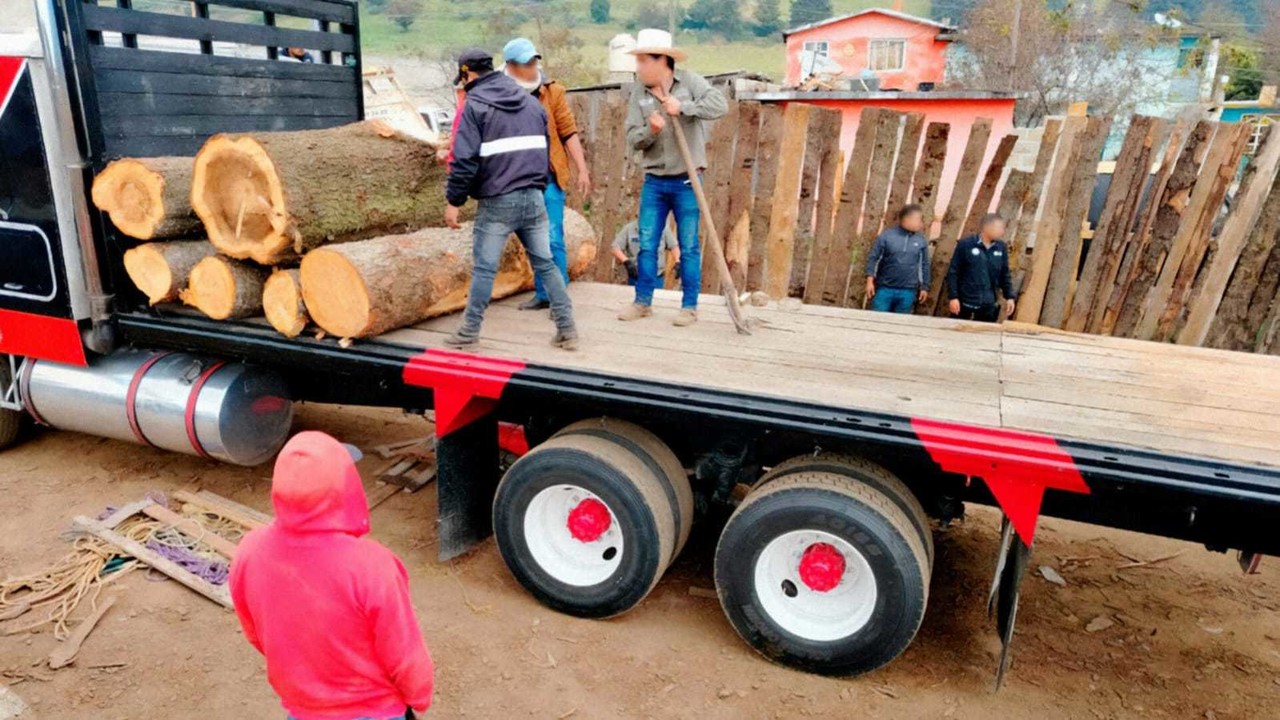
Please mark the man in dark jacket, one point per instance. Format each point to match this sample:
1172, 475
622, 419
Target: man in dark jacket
898, 265
979, 267
500, 158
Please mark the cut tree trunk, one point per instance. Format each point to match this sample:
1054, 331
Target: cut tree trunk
366, 288
273, 196
148, 198
225, 289
160, 269
282, 303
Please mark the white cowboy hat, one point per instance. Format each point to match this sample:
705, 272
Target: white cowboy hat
652, 41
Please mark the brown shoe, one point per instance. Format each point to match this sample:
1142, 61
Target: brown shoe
462, 342
635, 311
566, 339
686, 318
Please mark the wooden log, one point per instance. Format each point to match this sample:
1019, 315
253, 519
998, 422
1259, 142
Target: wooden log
802, 248
148, 198
1115, 225
741, 193
273, 196
1183, 282
908, 154
282, 302
225, 289
216, 593
160, 269
1049, 229
928, 176
1066, 258
784, 213
990, 181
716, 180
1234, 326
771, 122
829, 179
1194, 222
1164, 227
365, 288
1023, 231
957, 209
1130, 265
882, 156
849, 212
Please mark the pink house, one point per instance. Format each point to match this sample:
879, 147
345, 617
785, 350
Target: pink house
901, 51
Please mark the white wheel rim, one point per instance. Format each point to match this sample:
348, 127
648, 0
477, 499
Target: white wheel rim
565, 557
819, 615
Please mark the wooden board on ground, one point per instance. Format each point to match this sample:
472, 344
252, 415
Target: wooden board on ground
222, 507
65, 654
1098, 389
780, 241
216, 593
767, 159
957, 208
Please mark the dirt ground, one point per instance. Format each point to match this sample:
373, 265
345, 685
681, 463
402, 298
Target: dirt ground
1189, 637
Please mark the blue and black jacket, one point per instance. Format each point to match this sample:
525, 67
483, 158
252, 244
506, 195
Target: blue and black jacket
501, 143
977, 271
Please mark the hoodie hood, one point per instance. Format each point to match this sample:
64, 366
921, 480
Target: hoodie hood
497, 90
316, 487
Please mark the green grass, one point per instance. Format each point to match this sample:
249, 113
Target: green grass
443, 27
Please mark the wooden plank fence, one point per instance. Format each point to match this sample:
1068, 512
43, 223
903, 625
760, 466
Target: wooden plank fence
1165, 262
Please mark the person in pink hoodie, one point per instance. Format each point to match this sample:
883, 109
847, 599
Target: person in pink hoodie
328, 607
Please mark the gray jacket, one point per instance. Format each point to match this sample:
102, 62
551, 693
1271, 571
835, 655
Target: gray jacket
899, 260
700, 104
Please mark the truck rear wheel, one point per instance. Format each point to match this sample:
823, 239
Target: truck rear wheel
584, 525
650, 449
11, 421
824, 574
864, 472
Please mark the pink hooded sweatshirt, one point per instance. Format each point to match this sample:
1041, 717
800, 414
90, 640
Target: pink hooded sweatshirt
328, 607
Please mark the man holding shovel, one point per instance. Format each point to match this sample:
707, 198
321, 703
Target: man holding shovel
665, 94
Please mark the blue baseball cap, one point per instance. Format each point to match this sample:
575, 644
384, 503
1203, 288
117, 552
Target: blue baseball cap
521, 51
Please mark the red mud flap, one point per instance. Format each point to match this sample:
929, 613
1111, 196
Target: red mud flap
466, 390
39, 336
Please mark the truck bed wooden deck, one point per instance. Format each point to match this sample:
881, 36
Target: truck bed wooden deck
1186, 401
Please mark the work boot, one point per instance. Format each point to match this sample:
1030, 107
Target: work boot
534, 304
635, 311
462, 341
686, 318
566, 339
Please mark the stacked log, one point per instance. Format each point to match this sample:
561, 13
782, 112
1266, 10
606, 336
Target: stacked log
160, 269
361, 289
270, 197
147, 198
282, 303
225, 289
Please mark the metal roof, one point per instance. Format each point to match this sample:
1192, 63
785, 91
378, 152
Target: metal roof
881, 11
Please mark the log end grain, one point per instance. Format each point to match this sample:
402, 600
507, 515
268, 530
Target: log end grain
282, 303
237, 193
335, 293
146, 198
160, 269
224, 289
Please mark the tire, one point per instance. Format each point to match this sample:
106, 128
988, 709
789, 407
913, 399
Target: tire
12, 422
855, 609
584, 526
653, 452
868, 473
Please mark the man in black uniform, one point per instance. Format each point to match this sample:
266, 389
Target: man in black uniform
979, 267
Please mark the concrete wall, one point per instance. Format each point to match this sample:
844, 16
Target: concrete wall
849, 40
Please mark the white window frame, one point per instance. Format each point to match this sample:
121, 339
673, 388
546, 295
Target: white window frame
871, 53
812, 46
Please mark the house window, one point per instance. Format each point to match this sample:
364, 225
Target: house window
819, 48
887, 55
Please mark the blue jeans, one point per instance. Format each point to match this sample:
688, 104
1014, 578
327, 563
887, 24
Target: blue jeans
554, 196
659, 197
894, 300
524, 213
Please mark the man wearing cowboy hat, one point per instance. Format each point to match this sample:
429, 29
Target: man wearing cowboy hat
665, 94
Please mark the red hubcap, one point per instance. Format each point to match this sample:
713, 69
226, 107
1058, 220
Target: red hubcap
821, 567
589, 519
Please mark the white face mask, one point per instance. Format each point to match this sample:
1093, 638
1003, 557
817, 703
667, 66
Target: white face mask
525, 84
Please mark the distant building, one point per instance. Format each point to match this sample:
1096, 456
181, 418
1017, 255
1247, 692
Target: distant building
1260, 114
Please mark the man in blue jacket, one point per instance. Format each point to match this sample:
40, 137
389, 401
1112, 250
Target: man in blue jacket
979, 268
898, 265
500, 159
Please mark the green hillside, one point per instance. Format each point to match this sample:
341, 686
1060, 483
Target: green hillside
440, 28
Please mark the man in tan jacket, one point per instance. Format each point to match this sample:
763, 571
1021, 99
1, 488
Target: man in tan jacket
523, 64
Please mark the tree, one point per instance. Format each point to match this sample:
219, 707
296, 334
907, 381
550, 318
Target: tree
768, 19
1058, 54
649, 15
1270, 39
1243, 68
721, 17
600, 11
402, 13
804, 12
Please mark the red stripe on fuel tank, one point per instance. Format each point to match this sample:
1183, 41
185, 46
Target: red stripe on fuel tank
1017, 466
131, 396
466, 386
189, 417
